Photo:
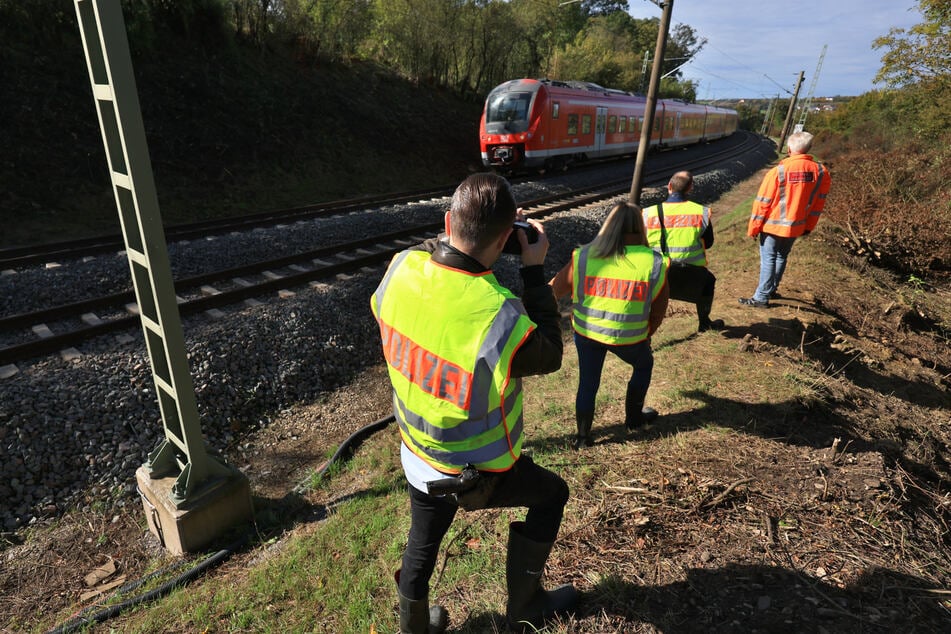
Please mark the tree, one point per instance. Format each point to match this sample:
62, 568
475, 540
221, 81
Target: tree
603, 53
919, 62
920, 54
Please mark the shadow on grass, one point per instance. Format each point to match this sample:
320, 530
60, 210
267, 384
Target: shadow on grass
763, 598
738, 598
817, 342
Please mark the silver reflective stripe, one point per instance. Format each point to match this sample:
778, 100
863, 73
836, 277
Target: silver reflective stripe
782, 195
486, 453
385, 282
464, 430
614, 333
624, 318
815, 190
493, 346
582, 272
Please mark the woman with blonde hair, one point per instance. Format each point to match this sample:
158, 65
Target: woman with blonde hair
619, 297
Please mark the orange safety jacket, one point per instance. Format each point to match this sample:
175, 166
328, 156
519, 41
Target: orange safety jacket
791, 198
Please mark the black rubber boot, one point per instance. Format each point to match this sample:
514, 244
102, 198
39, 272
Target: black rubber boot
704, 306
635, 414
529, 604
583, 439
417, 617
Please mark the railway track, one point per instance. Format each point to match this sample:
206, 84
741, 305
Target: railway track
61, 328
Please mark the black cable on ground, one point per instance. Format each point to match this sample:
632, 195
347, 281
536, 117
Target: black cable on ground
165, 588
345, 448
348, 445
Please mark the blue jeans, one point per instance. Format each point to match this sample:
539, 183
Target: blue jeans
591, 356
773, 253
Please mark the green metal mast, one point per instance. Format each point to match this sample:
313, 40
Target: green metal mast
120, 118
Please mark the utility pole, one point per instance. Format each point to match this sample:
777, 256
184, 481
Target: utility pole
642, 148
789, 113
767, 120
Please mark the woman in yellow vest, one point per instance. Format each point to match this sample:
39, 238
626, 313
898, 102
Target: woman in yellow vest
619, 294
456, 344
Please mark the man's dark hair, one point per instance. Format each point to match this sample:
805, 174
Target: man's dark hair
681, 182
482, 208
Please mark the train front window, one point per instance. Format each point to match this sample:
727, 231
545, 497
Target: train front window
509, 109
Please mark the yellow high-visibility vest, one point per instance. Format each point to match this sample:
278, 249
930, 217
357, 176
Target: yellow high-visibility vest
685, 223
449, 338
612, 296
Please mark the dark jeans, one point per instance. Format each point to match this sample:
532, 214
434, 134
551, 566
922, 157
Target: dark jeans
591, 356
694, 284
689, 283
525, 484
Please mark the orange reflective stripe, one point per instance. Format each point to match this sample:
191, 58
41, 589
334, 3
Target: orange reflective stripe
430, 372
629, 290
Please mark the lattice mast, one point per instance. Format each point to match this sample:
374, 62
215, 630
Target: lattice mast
811, 93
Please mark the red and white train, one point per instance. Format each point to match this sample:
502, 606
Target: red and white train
546, 124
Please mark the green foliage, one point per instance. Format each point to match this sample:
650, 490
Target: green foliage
602, 53
614, 50
671, 88
889, 116
749, 118
466, 45
332, 30
922, 54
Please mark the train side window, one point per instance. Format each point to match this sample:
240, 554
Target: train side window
622, 124
555, 106
612, 124
573, 124
586, 124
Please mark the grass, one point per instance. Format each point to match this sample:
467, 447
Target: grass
653, 522
336, 575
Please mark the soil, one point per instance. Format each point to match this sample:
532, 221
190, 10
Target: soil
844, 528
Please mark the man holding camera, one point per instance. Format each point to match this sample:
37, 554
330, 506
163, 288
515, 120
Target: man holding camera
456, 344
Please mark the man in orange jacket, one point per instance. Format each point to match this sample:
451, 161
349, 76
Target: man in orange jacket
788, 205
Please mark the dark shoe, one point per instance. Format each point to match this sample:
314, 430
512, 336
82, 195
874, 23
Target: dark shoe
635, 414
529, 605
716, 324
749, 301
583, 439
775, 295
640, 418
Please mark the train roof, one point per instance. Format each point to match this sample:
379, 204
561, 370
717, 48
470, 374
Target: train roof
592, 87
586, 85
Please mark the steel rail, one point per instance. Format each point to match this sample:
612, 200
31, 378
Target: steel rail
351, 256
14, 257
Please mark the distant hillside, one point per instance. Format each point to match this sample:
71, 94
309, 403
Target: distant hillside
236, 130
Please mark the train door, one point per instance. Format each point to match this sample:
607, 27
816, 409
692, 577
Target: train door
600, 125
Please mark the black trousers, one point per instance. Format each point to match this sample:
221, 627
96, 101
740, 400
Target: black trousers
525, 484
694, 284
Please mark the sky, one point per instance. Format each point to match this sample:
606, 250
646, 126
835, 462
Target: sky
756, 48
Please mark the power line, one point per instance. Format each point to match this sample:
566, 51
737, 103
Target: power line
744, 65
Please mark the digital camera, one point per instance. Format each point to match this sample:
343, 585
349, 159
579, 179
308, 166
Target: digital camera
512, 245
